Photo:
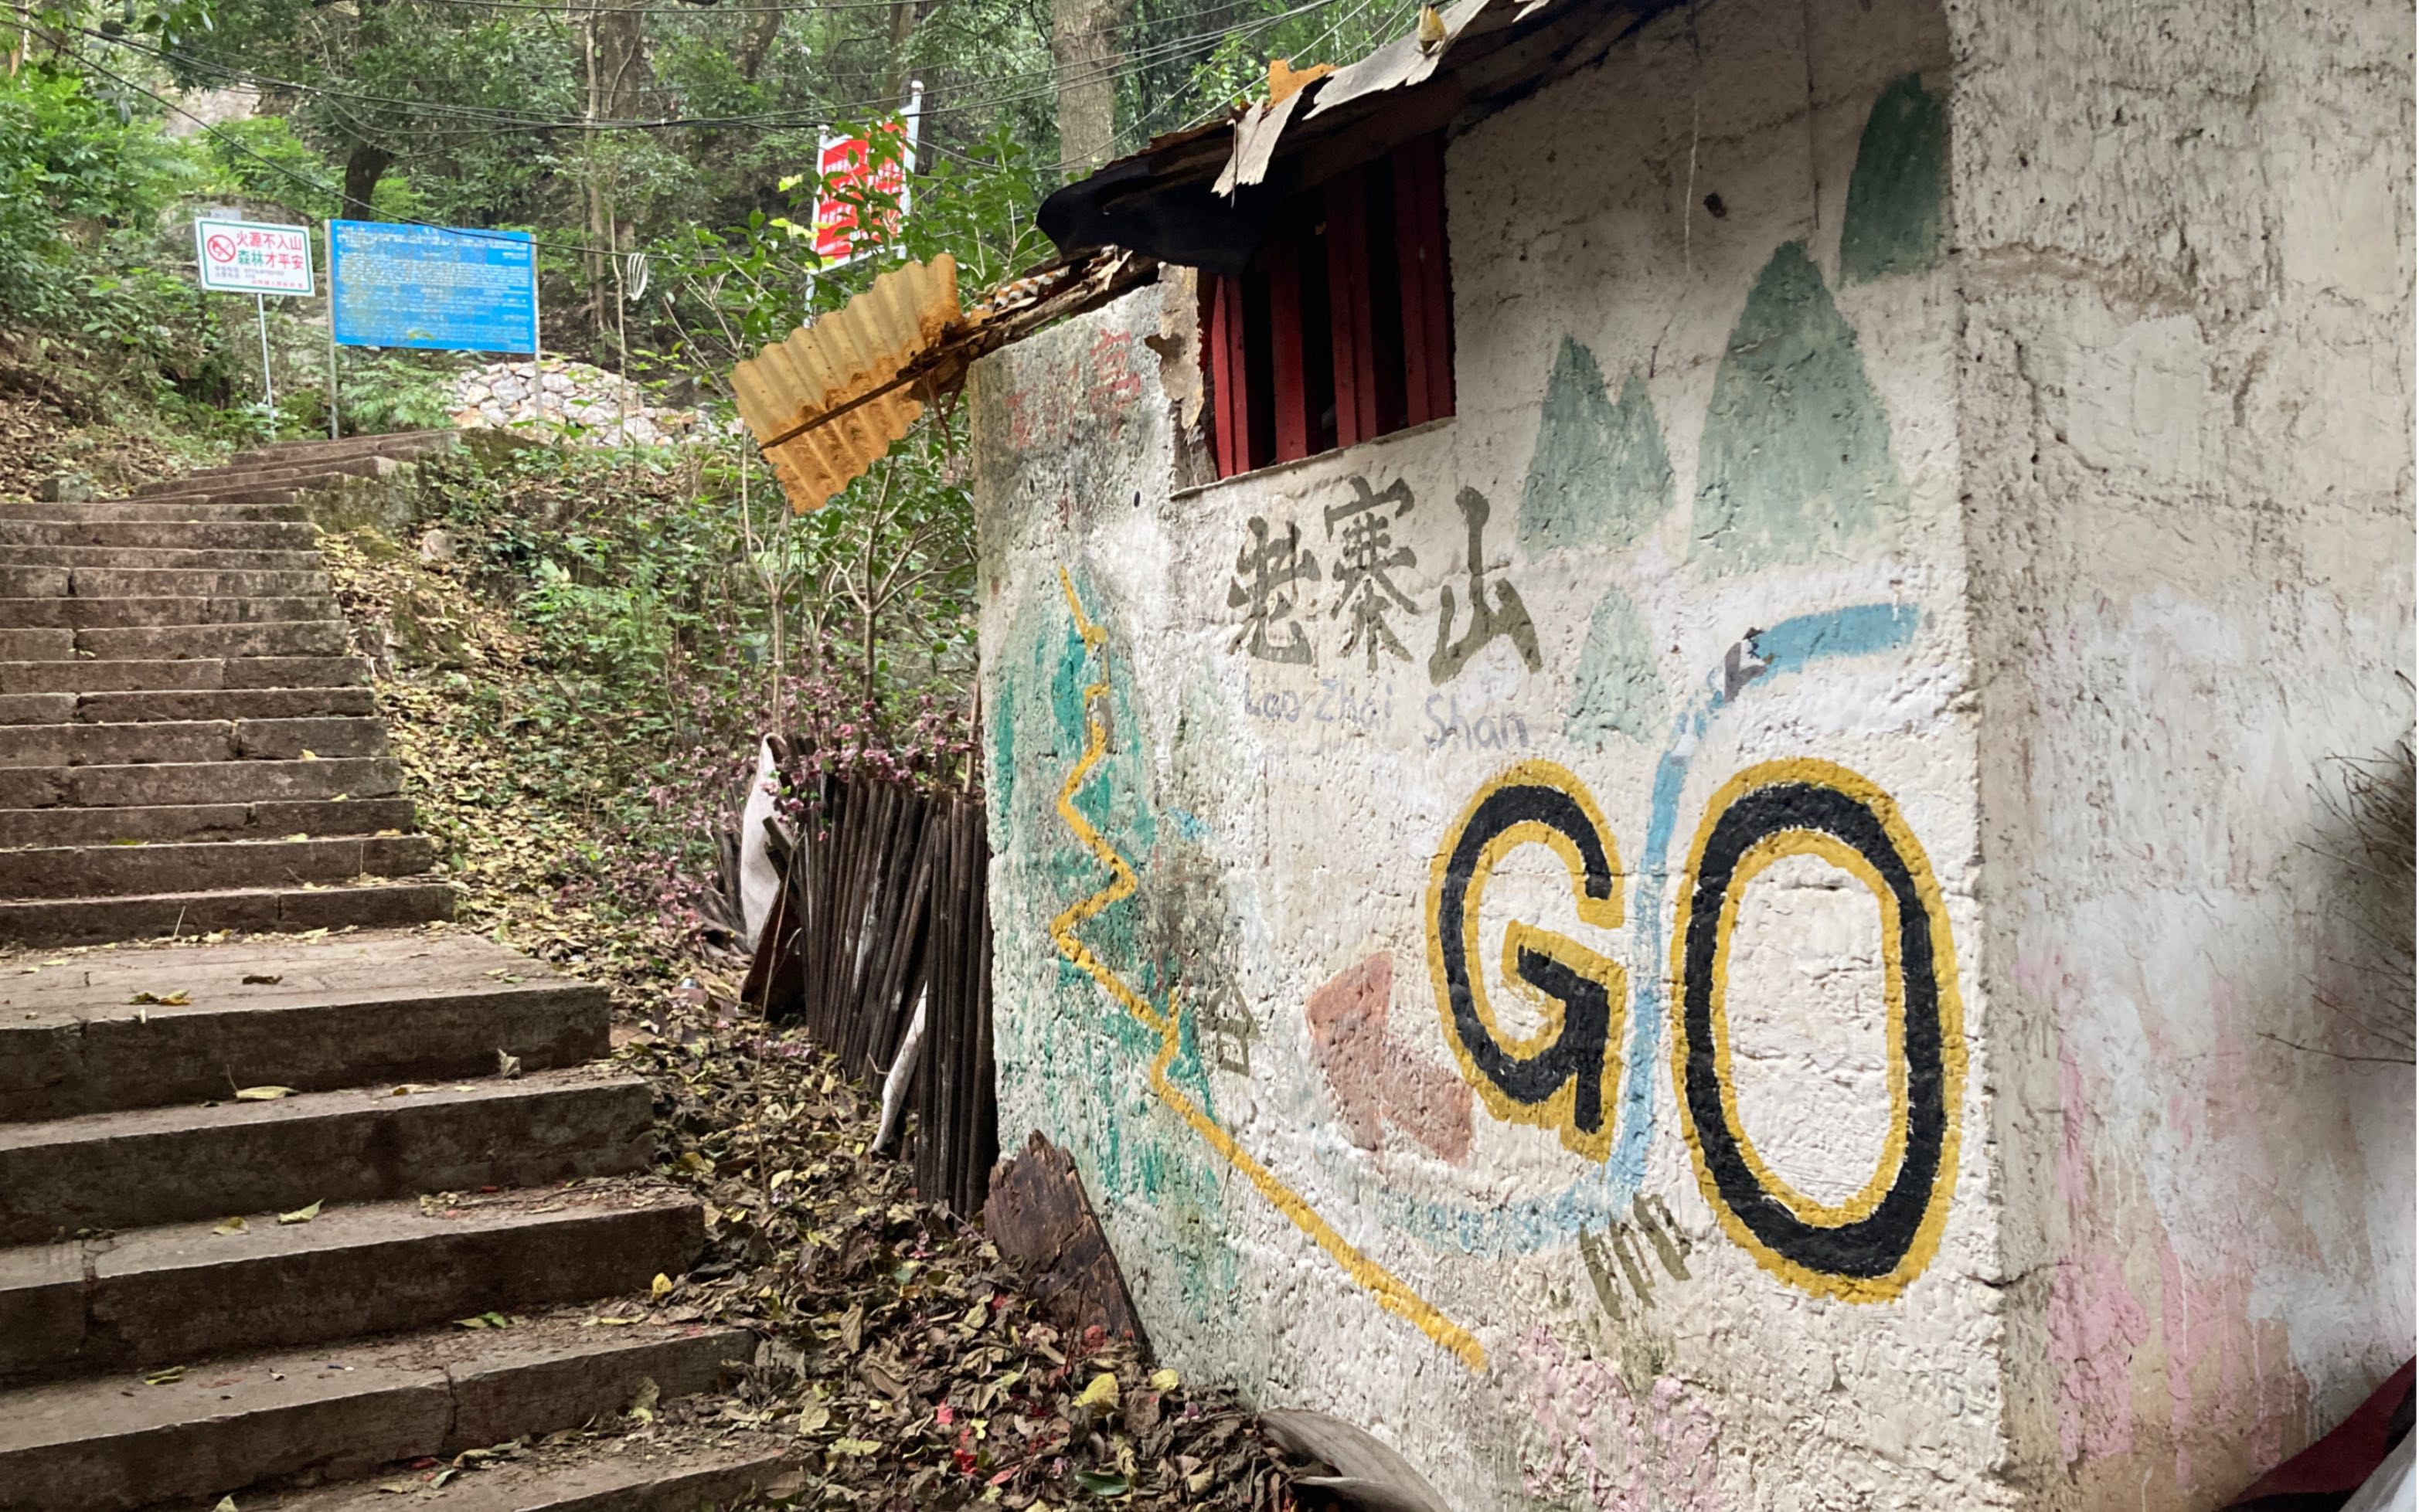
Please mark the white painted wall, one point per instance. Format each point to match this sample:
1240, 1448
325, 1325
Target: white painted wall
2185, 399
2095, 729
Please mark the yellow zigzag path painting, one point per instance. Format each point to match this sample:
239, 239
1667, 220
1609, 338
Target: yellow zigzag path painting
1391, 1293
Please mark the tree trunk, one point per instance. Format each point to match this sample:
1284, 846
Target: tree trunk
363, 167
756, 43
1083, 43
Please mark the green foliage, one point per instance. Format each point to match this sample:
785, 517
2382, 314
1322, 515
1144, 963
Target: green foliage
74, 174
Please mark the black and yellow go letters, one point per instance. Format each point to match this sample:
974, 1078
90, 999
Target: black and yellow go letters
1866, 1248
1560, 1078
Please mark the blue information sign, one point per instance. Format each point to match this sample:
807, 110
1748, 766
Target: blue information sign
427, 286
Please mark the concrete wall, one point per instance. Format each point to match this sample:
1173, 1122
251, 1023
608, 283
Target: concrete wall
2185, 402
1750, 1124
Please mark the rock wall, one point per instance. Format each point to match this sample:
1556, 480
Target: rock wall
554, 392
1484, 908
2185, 396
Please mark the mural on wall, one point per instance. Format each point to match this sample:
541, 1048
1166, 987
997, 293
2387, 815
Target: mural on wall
1627, 1245
1868, 1248
1168, 1024
1321, 625
1556, 1079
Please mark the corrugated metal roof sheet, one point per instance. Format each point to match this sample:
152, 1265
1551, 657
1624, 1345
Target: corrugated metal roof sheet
845, 359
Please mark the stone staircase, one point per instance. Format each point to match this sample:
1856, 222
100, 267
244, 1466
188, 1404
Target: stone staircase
186, 742
276, 1213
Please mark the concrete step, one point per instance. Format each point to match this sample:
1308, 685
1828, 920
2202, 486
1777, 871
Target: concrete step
189, 741
389, 443
300, 474
37, 645
189, 535
56, 612
170, 784
361, 1010
156, 1165
125, 871
163, 704
162, 1296
114, 1443
263, 504
168, 583
169, 557
174, 822
618, 1475
270, 637
187, 675
53, 921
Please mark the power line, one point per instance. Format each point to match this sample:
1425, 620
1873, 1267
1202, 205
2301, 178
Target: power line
822, 112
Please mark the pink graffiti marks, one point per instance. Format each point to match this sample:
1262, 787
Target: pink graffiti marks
1375, 1084
1598, 1443
2095, 1325
1056, 398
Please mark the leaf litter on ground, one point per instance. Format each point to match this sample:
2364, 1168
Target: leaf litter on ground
900, 1360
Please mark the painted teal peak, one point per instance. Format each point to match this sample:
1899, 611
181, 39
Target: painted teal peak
1599, 475
1620, 690
1900, 185
1794, 464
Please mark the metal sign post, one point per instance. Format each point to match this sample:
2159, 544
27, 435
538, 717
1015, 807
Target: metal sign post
267, 383
333, 424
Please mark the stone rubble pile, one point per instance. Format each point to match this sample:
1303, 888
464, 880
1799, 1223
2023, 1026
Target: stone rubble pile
559, 392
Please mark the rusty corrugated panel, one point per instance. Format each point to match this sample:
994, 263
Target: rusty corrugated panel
838, 361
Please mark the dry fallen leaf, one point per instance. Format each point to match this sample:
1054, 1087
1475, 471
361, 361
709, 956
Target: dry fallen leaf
232, 1226
302, 1214
262, 1094
262, 979
164, 1000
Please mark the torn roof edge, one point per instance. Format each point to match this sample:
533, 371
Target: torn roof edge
1204, 198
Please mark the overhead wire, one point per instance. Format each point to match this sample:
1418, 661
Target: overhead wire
823, 112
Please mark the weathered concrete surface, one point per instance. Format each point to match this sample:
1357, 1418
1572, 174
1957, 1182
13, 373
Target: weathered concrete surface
637, 1478
114, 1445
164, 1295
315, 1015
165, 1165
1617, 980
2184, 394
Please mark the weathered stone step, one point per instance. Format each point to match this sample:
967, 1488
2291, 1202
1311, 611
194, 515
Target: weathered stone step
189, 535
191, 674
37, 645
287, 911
167, 784
114, 1443
156, 704
614, 1477
82, 613
162, 1296
260, 504
362, 1010
389, 444
141, 643
171, 582
189, 741
174, 822
123, 871
166, 1165
299, 474
170, 556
